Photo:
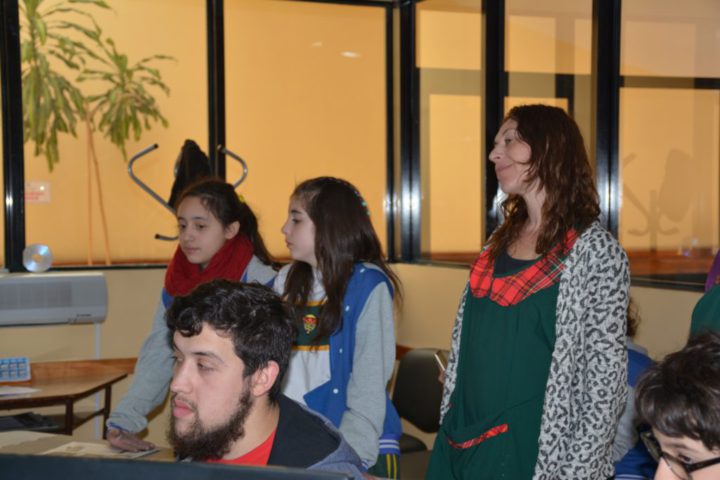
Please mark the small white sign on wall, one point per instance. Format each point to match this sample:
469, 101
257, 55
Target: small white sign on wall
37, 191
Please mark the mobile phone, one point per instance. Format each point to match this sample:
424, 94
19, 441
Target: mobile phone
442, 359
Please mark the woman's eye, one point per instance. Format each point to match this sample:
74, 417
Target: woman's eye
203, 367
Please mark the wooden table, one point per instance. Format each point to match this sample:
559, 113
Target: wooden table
36, 443
64, 383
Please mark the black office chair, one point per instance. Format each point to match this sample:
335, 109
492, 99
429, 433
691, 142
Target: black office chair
417, 396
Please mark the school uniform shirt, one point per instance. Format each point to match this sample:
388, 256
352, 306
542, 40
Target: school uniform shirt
345, 380
309, 365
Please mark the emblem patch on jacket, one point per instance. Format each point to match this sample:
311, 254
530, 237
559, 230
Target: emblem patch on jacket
309, 323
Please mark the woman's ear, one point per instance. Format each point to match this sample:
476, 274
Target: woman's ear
232, 230
264, 378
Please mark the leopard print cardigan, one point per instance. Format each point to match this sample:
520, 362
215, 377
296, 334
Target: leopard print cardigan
587, 383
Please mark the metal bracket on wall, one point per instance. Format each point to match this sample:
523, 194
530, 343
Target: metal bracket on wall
144, 186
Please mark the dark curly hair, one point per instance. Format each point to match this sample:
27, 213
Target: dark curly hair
255, 318
559, 162
680, 396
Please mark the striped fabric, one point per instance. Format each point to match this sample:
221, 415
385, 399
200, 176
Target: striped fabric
389, 446
387, 466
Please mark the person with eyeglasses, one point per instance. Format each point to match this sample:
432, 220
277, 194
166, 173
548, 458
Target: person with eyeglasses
679, 398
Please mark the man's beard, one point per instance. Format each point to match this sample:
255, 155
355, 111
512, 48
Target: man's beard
203, 444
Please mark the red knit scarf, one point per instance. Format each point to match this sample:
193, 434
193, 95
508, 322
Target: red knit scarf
228, 263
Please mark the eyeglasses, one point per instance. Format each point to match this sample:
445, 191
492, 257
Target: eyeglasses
680, 469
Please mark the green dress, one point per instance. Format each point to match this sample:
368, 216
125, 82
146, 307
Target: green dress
706, 314
492, 427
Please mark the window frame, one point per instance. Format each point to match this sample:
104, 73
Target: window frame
12, 125
403, 181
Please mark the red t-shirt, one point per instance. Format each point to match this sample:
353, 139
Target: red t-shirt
257, 456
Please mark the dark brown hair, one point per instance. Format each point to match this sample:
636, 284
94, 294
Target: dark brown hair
680, 396
559, 162
220, 198
252, 315
633, 319
344, 236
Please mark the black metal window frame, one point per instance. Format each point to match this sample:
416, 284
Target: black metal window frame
12, 135
403, 174
12, 125
605, 109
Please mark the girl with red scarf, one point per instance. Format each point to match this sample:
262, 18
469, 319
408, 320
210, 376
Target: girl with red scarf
219, 238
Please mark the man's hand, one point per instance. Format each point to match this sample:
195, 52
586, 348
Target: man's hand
127, 441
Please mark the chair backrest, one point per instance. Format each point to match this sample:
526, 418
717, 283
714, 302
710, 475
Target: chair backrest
417, 393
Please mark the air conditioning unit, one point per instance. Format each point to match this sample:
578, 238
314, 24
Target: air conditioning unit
52, 298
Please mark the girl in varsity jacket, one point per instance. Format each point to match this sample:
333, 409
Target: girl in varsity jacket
341, 291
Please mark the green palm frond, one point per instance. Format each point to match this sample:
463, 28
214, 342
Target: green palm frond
65, 33
51, 103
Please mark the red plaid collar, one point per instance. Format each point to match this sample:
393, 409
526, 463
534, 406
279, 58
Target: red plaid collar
513, 289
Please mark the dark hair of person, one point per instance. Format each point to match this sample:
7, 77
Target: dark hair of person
220, 198
680, 396
252, 315
344, 235
633, 319
559, 162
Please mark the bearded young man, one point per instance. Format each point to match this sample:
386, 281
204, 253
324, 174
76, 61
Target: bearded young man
232, 343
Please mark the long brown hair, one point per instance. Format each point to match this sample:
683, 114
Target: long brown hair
559, 162
344, 236
220, 198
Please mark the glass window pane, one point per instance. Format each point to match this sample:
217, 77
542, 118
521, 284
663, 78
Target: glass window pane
669, 137
305, 97
548, 57
669, 178
68, 197
549, 37
667, 38
449, 56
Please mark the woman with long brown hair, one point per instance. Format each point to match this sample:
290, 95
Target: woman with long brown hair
537, 373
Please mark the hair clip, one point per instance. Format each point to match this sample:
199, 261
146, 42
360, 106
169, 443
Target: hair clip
362, 202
